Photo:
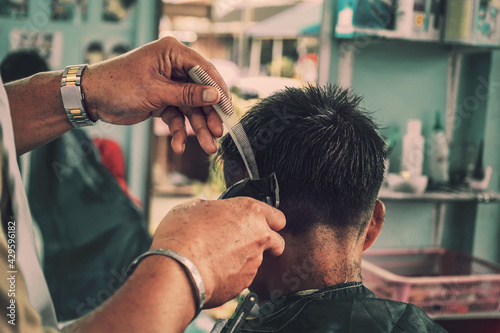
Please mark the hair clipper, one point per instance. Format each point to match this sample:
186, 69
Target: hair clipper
263, 189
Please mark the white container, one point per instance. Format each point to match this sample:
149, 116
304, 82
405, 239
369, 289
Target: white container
345, 26
413, 149
438, 156
404, 18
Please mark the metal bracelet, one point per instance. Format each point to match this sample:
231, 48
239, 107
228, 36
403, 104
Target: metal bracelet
72, 96
189, 267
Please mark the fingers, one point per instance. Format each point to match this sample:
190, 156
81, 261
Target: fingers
189, 97
276, 221
175, 121
198, 122
273, 244
276, 245
205, 122
184, 58
214, 121
205, 127
190, 94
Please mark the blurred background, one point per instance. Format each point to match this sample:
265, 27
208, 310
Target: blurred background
428, 69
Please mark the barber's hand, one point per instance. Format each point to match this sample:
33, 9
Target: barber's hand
225, 239
153, 81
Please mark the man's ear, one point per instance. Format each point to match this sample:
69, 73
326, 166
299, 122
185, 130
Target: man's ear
375, 224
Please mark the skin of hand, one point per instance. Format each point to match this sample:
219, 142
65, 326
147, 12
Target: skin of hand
225, 239
153, 81
149, 81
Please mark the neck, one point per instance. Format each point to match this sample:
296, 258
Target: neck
315, 260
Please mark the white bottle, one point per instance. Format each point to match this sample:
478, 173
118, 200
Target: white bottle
413, 149
344, 26
404, 18
438, 156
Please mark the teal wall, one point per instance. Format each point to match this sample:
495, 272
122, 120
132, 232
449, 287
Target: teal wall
139, 27
487, 228
77, 33
470, 111
401, 80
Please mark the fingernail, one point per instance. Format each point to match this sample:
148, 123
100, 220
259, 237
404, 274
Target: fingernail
210, 95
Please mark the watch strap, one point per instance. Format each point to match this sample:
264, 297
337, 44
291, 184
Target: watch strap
72, 96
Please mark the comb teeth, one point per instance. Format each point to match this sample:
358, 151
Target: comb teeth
226, 111
224, 103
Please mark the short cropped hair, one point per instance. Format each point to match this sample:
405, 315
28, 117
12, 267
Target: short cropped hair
325, 149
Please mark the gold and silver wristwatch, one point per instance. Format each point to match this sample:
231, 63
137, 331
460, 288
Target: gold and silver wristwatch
72, 96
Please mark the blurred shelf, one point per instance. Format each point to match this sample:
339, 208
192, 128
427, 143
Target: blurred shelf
383, 34
441, 196
439, 199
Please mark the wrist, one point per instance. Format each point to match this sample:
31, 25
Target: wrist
190, 271
157, 295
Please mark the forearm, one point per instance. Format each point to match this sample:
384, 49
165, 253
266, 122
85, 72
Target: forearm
158, 297
38, 115
149, 81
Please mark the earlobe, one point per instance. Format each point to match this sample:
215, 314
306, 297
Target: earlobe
375, 225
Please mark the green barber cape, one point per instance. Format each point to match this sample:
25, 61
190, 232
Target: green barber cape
345, 308
91, 229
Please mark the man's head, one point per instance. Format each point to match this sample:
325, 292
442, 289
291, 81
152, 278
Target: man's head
326, 153
329, 161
